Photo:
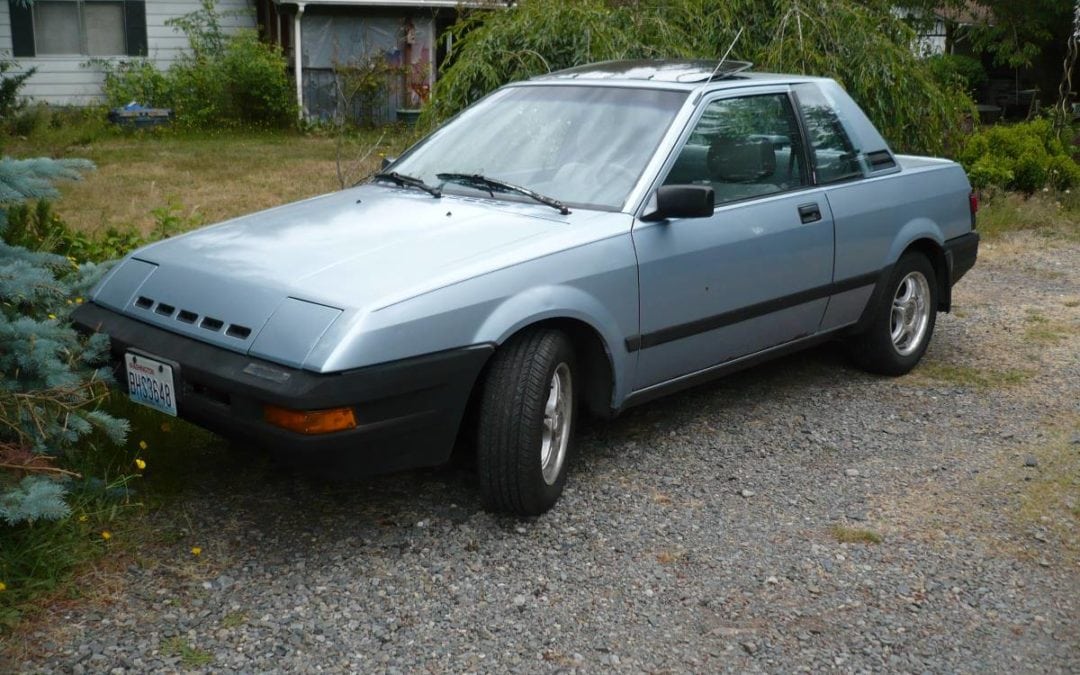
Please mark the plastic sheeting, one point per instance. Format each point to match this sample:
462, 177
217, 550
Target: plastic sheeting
335, 38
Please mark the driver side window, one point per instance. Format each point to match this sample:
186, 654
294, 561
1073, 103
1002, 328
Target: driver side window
743, 147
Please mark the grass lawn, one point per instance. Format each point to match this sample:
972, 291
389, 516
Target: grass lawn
201, 179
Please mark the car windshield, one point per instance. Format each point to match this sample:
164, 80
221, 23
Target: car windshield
583, 146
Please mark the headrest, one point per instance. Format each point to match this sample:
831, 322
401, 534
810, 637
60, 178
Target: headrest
741, 161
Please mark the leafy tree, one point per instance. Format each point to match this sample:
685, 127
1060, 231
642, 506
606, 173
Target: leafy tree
1014, 33
863, 45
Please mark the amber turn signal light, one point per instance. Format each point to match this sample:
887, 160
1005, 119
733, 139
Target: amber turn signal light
310, 421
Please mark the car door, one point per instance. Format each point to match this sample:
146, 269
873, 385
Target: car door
753, 275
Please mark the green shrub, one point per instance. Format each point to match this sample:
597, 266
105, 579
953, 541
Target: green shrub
10, 86
1025, 157
135, 80
861, 44
223, 81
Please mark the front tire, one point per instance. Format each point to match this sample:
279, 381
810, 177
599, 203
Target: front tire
526, 419
903, 321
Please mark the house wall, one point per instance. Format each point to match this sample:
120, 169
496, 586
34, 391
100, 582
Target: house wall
63, 80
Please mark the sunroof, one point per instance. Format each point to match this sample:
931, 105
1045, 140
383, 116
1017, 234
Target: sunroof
684, 71
726, 69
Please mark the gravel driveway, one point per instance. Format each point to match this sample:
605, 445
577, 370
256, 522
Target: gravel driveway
798, 516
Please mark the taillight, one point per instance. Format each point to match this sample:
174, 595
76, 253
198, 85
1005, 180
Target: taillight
973, 204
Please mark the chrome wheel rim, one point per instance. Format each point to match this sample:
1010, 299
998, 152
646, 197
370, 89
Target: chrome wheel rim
910, 313
557, 417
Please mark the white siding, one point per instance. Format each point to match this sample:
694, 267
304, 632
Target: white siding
63, 80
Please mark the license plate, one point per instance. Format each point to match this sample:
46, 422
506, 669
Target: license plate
150, 383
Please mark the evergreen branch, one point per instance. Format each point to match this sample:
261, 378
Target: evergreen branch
40, 469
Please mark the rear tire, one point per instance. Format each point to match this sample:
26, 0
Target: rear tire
903, 320
525, 422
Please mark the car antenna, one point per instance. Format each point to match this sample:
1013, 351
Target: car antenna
726, 54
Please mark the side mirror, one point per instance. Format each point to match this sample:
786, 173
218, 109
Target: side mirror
683, 201
386, 162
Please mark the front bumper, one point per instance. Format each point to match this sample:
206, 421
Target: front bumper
408, 412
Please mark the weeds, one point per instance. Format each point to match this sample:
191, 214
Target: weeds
972, 378
170, 220
1042, 330
1051, 496
192, 657
234, 620
1055, 215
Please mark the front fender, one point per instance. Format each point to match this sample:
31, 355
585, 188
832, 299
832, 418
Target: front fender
543, 303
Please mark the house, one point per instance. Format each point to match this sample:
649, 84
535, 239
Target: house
62, 39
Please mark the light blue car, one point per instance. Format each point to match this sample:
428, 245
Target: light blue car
582, 242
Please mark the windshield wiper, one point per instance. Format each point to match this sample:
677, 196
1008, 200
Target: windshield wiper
403, 180
492, 184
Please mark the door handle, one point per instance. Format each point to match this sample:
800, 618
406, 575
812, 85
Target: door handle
809, 213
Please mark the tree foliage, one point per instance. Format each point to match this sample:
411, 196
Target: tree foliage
1014, 32
862, 45
49, 382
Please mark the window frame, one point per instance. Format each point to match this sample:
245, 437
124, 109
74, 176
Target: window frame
844, 130
84, 39
784, 90
24, 32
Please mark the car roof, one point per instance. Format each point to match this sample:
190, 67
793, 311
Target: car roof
689, 74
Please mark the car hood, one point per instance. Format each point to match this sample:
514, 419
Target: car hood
307, 263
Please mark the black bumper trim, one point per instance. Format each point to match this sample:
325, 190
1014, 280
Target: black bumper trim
961, 252
408, 411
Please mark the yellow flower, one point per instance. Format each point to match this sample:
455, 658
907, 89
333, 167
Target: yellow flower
140, 464
196, 551
69, 302
106, 535
82, 518
52, 316
78, 301
142, 445
3, 587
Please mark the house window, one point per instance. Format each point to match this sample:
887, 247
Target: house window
94, 28
78, 27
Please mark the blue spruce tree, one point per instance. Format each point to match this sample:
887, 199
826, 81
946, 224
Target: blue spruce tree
51, 381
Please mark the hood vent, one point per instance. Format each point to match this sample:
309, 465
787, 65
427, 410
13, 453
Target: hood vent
233, 330
211, 324
239, 332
